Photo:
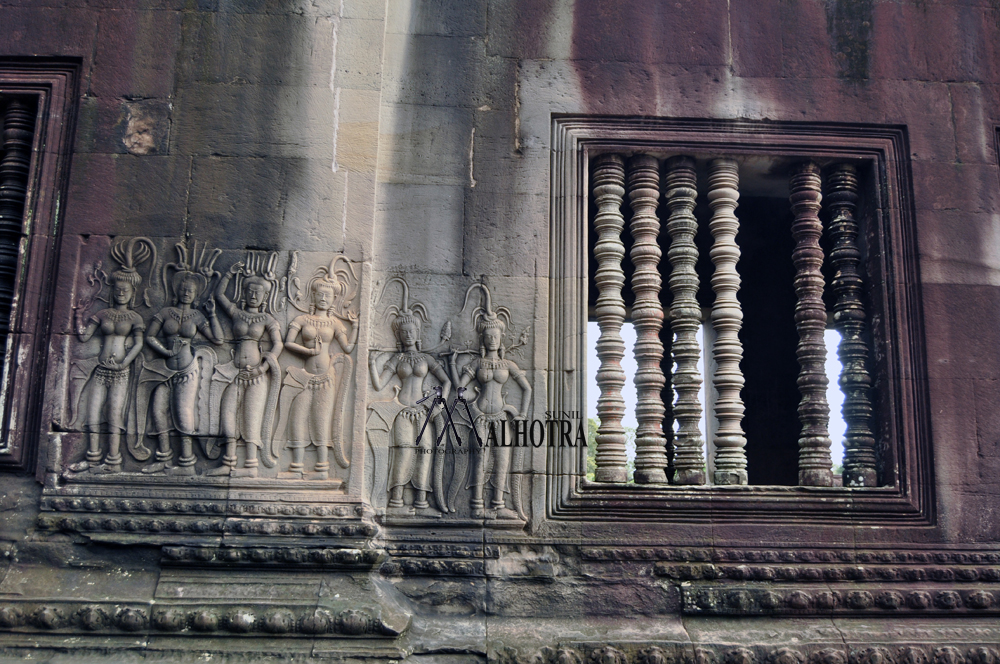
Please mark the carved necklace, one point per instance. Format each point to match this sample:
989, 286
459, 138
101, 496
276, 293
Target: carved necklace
252, 318
485, 363
117, 316
316, 321
411, 357
176, 315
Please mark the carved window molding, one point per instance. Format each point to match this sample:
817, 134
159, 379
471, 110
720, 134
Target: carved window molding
44, 93
880, 154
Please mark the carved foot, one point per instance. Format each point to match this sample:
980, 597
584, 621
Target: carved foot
290, 475
406, 510
244, 472
79, 467
506, 514
429, 512
158, 467
478, 513
180, 471
318, 475
221, 471
106, 469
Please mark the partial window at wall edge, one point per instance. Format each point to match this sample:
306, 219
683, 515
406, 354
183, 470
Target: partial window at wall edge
38, 102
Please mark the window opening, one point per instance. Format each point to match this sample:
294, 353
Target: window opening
739, 272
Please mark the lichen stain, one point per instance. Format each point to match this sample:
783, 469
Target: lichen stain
849, 24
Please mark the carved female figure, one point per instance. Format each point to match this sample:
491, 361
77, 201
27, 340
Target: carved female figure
412, 459
248, 402
325, 337
492, 371
172, 334
105, 398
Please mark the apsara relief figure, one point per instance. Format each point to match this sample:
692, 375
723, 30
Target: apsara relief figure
412, 460
253, 378
324, 337
180, 399
492, 416
108, 395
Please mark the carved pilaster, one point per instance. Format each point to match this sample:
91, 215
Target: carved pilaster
810, 321
609, 180
647, 316
18, 125
849, 317
681, 194
727, 318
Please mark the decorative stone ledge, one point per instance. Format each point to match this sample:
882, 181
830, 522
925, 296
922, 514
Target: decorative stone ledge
197, 619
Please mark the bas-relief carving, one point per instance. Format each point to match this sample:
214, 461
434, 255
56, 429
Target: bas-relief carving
465, 445
252, 379
411, 460
179, 402
324, 336
491, 371
108, 394
174, 382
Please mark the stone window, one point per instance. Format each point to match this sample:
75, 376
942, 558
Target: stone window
37, 102
751, 239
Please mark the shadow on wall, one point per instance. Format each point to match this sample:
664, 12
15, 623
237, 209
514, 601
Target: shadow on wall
248, 86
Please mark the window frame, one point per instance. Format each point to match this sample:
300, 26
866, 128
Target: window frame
901, 370
54, 82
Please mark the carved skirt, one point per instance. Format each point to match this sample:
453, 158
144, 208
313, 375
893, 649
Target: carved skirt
492, 448
244, 404
411, 463
110, 390
311, 416
176, 399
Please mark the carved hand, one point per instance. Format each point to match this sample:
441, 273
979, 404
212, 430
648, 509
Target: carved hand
514, 413
236, 268
210, 306
178, 346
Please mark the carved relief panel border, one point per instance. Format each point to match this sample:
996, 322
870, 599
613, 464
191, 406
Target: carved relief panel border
203, 394
451, 391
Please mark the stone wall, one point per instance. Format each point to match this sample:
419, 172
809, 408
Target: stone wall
395, 165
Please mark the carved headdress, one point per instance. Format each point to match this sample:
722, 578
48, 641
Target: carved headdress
258, 268
486, 318
339, 276
190, 266
404, 314
131, 254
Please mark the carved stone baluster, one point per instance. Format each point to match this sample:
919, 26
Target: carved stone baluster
810, 320
681, 193
849, 317
727, 318
647, 316
609, 180
18, 124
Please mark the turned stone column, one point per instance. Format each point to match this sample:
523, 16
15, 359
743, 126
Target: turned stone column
810, 321
849, 319
727, 318
647, 316
18, 122
608, 180
681, 193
